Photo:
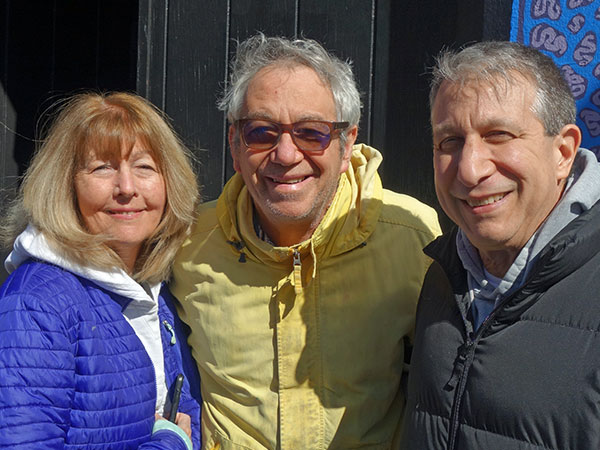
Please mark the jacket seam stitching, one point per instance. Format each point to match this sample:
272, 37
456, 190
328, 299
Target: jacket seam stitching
406, 225
565, 325
507, 437
481, 429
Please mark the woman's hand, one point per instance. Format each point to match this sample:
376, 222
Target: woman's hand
182, 420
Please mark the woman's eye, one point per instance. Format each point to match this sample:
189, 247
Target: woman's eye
145, 166
101, 167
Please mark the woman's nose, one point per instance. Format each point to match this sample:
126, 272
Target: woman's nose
124, 183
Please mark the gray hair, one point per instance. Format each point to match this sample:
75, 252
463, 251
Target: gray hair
489, 62
260, 51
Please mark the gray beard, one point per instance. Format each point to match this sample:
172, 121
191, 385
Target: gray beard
323, 199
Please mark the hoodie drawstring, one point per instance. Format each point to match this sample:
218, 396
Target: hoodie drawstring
297, 263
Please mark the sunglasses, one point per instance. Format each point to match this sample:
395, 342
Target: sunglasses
307, 135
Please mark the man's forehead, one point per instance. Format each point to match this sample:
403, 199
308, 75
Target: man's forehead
496, 87
295, 87
279, 73
288, 67
267, 115
482, 98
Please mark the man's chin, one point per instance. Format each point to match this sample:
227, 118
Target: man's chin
287, 212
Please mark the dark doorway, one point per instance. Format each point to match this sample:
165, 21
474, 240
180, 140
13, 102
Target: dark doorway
50, 49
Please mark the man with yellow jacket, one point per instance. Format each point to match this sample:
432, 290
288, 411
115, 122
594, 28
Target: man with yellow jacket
300, 282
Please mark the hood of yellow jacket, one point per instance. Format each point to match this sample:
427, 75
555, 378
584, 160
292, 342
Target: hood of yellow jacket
348, 222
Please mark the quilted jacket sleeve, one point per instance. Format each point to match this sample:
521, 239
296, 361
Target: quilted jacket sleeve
37, 366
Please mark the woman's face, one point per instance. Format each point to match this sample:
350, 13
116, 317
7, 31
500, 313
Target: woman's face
123, 198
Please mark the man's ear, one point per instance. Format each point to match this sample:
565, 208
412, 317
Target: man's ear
347, 153
567, 143
234, 144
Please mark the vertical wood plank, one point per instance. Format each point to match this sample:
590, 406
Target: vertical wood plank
29, 71
196, 67
8, 166
407, 166
496, 20
380, 75
74, 39
94, 45
347, 29
116, 60
9, 170
272, 17
152, 50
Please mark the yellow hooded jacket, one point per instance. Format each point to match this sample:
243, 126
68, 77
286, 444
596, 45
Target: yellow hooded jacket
302, 347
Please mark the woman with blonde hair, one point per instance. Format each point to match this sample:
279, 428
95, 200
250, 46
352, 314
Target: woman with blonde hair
89, 339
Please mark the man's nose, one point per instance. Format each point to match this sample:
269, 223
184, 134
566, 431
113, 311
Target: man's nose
474, 164
286, 153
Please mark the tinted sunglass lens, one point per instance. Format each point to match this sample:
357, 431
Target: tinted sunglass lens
260, 135
312, 136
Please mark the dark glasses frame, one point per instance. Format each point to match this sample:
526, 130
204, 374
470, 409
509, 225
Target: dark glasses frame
334, 127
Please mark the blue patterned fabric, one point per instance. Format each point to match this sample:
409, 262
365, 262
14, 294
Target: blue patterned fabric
73, 373
569, 32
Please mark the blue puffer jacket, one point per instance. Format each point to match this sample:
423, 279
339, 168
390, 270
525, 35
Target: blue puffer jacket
73, 373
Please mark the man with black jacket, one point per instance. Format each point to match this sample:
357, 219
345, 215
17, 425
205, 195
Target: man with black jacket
507, 341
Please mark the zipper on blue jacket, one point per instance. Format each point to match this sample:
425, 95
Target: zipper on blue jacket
170, 329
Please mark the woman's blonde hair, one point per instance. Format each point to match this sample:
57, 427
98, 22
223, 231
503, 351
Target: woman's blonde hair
104, 123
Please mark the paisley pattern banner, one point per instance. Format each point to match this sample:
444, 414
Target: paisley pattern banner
569, 32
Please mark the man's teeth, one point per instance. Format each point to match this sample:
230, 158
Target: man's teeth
485, 201
297, 180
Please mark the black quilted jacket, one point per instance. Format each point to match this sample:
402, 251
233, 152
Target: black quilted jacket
529, 377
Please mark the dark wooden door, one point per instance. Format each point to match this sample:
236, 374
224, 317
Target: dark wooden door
185, 47
176, 53
48, 50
